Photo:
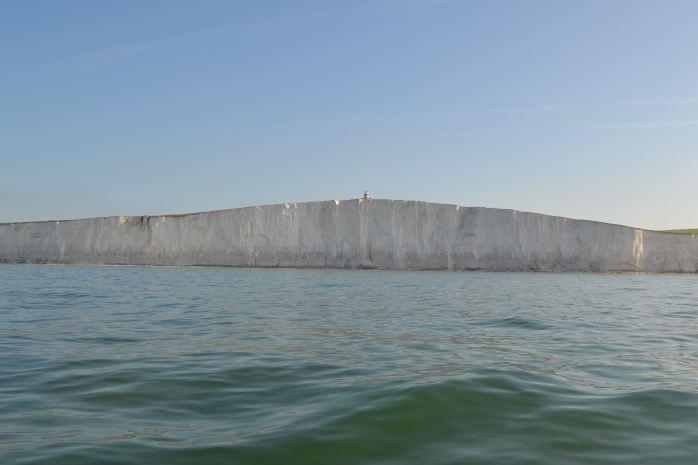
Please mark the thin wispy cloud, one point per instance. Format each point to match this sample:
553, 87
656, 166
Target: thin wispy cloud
608, 104
470, 112
422, 4
386, 8
610, 125
644, 124
125, 52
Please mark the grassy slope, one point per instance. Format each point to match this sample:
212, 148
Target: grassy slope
682, 231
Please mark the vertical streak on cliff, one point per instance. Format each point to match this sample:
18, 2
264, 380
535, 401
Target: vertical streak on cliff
638, 247
364, 245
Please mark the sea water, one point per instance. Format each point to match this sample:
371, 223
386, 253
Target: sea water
139, 365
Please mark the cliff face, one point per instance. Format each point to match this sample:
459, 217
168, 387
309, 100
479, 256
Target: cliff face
382, 234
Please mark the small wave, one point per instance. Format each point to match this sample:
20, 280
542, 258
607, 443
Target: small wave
487, 416
516, 322
106, 340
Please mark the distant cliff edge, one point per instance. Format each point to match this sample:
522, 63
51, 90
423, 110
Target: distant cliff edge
359, 233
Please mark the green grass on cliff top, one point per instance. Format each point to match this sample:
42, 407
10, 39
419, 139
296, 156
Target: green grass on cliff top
682, 231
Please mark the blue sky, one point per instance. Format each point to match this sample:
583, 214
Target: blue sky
586, 109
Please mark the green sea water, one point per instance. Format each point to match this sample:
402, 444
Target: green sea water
129, 365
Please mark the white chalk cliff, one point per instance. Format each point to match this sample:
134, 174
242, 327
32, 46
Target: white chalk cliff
381, 234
